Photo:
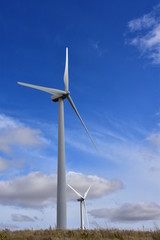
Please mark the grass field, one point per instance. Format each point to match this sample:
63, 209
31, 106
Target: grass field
50, 234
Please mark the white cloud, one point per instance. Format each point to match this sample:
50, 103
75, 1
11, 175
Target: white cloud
20, 136
99, 186
14, 133
144, 22
39, 190
33, 190
147, 38
129, 212
21, 218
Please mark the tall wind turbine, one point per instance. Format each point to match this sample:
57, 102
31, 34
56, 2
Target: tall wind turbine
59, 96
82, 199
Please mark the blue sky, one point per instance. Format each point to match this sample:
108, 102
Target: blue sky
114, 59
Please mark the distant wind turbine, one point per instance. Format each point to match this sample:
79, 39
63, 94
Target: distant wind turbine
59, 96
82, 199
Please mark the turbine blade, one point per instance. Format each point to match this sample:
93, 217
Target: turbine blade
85, 195
78, 194
53, 91
66, 78
86, 213
75, 109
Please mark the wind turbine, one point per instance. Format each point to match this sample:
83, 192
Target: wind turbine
82, 199
59, 96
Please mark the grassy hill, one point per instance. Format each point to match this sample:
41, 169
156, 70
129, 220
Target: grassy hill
79, 234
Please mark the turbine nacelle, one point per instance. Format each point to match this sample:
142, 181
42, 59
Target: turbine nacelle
55, 98
80, 199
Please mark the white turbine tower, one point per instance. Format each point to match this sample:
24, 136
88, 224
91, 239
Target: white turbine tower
82, 199
59, 96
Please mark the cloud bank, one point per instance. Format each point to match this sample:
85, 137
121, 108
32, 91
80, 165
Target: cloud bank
37, 190
129, 212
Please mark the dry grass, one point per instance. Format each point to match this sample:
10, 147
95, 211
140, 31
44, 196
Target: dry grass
50, 234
